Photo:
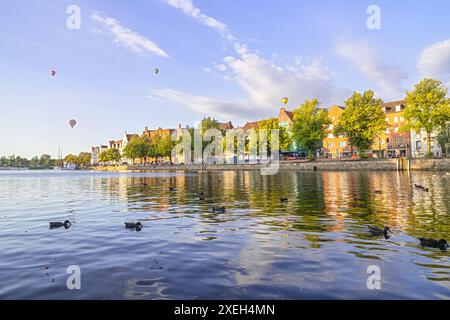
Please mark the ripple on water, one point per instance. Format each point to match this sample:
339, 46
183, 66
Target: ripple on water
315, 245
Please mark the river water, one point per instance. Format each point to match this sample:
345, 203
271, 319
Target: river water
314, 246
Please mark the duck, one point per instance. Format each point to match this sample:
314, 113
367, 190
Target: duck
378, 192
134, 225
200, 195
66, 224
218, 209
283, 200
172, 188
376, 231
421, 187
431, 243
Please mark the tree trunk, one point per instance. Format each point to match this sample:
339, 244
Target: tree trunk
428, 144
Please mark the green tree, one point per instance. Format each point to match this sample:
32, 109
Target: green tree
427, 108
34, 162
208, 123
164, 147
443, 138
45, 160
137, 148
84, 159
285, 140
114, 155
110, 155
310, 123
362, 120
71, 158
103, 156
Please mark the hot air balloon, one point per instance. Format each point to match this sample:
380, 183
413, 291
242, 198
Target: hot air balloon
72, 123
53, 73
156, 70
285, 101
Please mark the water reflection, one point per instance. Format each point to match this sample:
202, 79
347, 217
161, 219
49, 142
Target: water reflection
314, 245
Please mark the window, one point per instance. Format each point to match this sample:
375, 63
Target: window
387, 131
330, 136
330, 127
330, 145
395, 119
342, 144
396, 129
398, 108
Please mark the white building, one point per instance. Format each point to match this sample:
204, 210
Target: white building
419, 144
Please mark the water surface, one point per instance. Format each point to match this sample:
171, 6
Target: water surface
315, 246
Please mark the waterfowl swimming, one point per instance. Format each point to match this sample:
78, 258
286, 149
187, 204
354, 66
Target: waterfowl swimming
375, 231
200, 195
378, 192
218, 209
421, 187
172, 188
133, 225
431, 243
283, 200
66, 224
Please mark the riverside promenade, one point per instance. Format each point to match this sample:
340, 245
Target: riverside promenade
423, 164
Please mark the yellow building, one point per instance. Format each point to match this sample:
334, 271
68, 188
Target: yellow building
392, 142
335, 146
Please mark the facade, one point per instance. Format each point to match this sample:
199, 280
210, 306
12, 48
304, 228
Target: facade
286, 120
419, 144
398, 140
335, 147
95, 153
225, 126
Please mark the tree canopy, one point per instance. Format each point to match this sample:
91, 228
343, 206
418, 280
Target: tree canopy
362, 120
310, 122
427, 107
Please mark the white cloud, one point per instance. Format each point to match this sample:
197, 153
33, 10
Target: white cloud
220, 66
188, 8
206, 105
435, 61
371, 64
265, 84
207, 69
127, 37
265, 81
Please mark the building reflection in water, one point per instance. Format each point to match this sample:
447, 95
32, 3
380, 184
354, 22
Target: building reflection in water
325, 211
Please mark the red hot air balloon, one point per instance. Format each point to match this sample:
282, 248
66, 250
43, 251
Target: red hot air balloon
72, 123
53, 72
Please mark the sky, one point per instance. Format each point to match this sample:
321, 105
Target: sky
230, 59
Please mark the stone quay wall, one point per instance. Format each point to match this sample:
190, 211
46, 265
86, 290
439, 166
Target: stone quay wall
428, 164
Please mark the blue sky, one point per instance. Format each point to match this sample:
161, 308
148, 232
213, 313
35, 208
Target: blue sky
233, 60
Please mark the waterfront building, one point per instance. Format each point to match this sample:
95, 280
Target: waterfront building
225, 126
419, 144
336, 147
95, 151
398, 139
286, 120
